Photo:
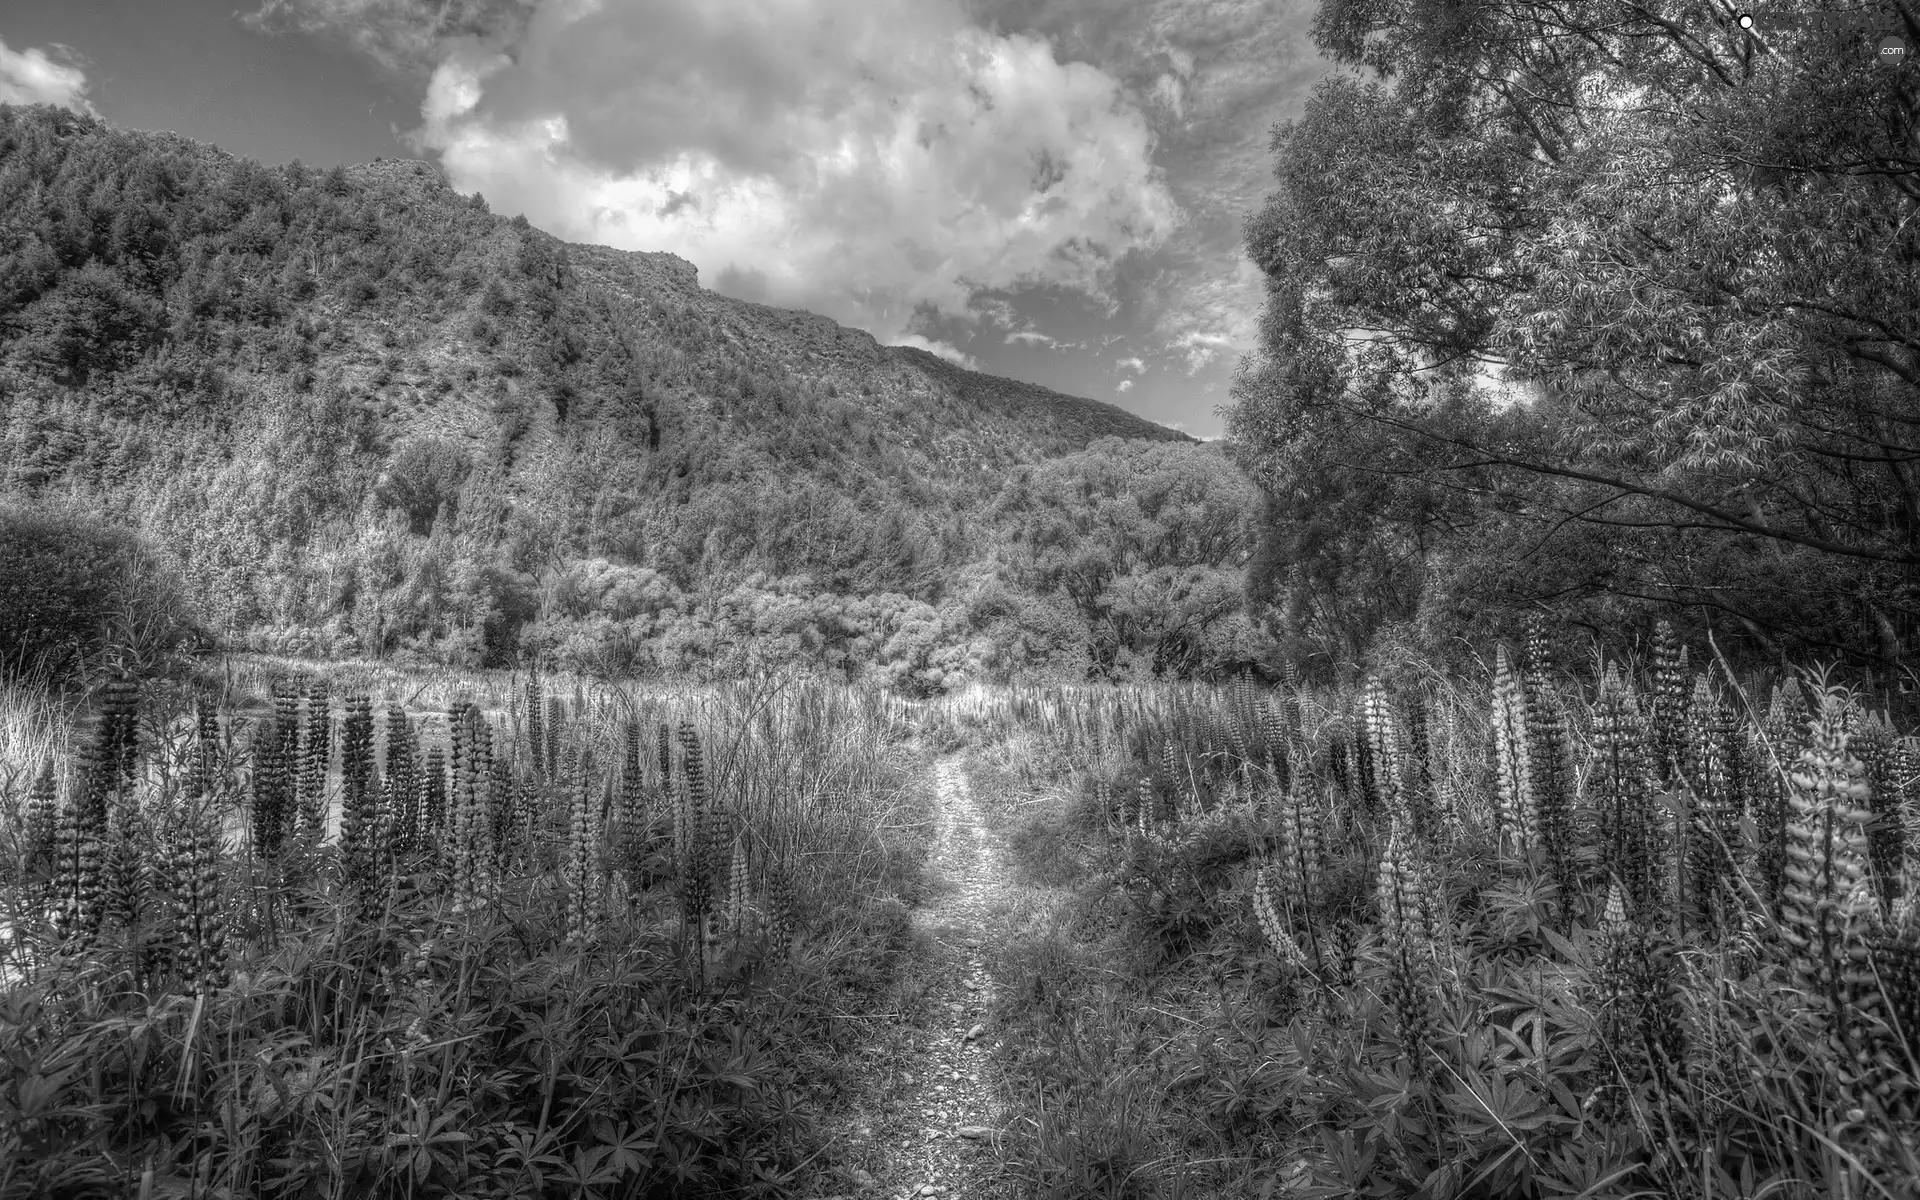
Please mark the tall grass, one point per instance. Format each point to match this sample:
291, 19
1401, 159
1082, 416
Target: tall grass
459, 980
1652, 939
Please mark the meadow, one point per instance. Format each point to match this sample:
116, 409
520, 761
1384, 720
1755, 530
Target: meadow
1578, 925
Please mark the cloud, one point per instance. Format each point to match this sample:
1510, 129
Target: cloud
403, 35
1214, 76
32, 76
1033, 337
1125, 385
881, 163
949, 352
994, 310
1130, 364
1200, 348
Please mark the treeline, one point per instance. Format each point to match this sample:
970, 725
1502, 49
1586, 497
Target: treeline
1691, 253
353, 412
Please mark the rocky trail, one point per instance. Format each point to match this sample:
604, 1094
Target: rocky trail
930, 1120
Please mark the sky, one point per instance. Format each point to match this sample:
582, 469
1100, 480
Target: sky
1050, 190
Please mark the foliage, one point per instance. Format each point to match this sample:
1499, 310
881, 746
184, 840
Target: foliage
1311, 990
217, 1010
1594, 309
254, 366
73, 592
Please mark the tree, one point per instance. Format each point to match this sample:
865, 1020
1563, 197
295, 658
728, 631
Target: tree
90, 322
1689, 253
425, 475
73, 590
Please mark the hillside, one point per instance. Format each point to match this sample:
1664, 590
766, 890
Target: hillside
360, 361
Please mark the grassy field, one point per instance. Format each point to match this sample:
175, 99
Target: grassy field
1573, 928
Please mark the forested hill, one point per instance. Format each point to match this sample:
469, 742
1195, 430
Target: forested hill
359, 411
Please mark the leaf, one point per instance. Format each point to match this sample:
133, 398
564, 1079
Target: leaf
1561, 1092
1567, 949
1442, 1183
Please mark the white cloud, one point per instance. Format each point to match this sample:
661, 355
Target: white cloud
32, 76
1034, 337
1130, 364
951, 353
1125, 385
872, 163
1215, 76
994, 310
403, 35
1201, 348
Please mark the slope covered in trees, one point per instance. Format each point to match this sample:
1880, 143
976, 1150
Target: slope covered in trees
359, 412
1689, 247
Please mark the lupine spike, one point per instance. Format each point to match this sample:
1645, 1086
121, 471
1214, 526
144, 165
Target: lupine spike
272, 783
1512, 770
1382, 749
528, 814
582, 892
484, 851
1709, 829
536, 739
78, 866
359, 801
1409, 958
1338, 764
1619, 785
1670, 677
1826, 870
698, 884
1885, 836
1419, 770
1615, 976
206, 751
125, 883
433, 798
782, 909
504, 826
192, 867
1273, 725
1549, 764
43, 816
316, 753
119, 736
1266, 909
737, 884
633, 791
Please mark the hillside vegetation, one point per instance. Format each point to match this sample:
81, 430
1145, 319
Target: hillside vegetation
359, 413
1692, 253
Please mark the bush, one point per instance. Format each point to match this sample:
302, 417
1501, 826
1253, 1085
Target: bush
424, 476
92, 322
74, 592
502, 601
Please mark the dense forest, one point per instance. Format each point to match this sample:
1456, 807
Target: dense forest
354, 412
1626, 332
1690, 249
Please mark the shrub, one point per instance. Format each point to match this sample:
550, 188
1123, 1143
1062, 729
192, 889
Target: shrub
73, 591
424, 476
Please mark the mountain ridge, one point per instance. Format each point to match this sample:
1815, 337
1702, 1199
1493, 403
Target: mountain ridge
360, 409
662, 273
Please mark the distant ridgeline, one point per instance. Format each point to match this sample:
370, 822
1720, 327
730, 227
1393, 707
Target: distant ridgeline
355, 411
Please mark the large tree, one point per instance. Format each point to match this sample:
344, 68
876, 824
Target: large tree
1590, 304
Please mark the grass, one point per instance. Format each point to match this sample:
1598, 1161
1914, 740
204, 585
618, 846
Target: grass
408, 1048
1166, 1049
1457, 1016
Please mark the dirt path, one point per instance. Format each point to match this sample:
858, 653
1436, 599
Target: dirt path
931, 1122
